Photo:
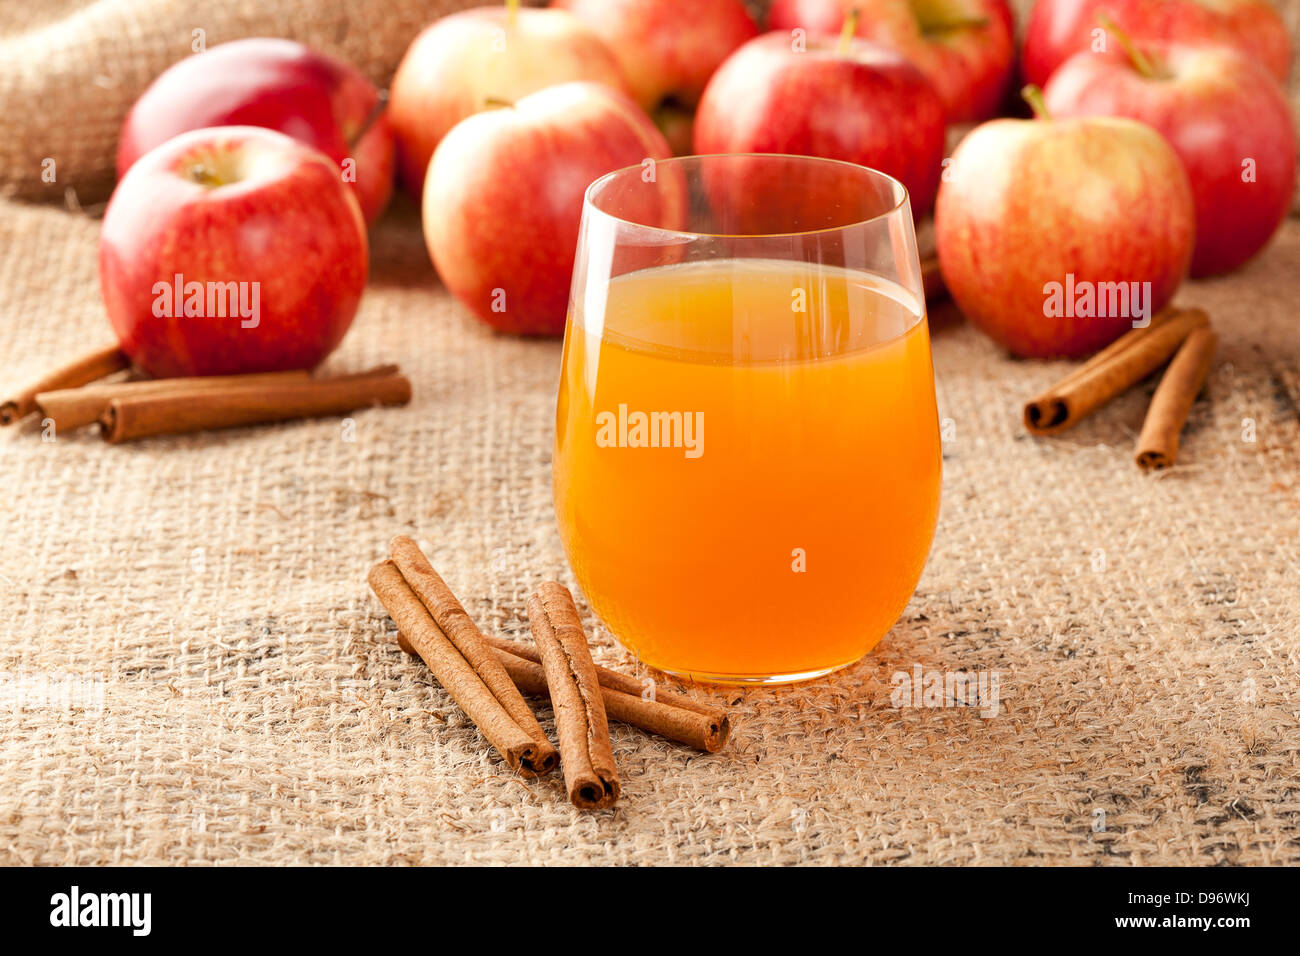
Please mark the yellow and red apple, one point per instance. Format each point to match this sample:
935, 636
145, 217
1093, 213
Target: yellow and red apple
503, 198
479, 59
1055, 236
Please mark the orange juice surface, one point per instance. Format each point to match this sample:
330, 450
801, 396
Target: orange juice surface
747, 463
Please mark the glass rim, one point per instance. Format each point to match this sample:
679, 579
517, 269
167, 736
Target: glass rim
589, 201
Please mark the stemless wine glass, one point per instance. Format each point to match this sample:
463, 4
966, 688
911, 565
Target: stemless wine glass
747, 455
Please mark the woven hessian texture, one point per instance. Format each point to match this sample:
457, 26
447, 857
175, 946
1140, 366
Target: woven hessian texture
255, 707
249, 704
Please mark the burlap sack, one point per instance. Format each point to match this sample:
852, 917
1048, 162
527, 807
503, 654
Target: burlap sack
192, 669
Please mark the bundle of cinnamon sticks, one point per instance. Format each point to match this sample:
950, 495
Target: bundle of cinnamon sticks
1185, 335
485, 675
76, 395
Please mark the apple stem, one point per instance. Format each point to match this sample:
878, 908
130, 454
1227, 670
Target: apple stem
381, 103
1139, 59
512, 11
199, 173
1034, 97
846, 32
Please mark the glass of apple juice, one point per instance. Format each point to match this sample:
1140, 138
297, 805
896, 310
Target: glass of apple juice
747, 460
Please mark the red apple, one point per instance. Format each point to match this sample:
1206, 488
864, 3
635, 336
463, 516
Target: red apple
847, 99
280, 85
479, 58
1056, 236
1057, 29
503, 199
667, 49
965, 48
231, 249
1225, 117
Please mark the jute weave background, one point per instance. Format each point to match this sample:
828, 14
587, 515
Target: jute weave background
255, 707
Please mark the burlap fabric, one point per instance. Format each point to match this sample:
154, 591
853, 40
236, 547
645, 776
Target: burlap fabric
193, 671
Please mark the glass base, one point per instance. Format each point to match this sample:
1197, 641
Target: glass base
751, 680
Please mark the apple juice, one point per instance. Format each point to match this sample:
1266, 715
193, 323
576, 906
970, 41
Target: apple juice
747, 463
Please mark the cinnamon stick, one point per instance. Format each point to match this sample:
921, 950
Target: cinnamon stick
89, 368
702, 731
585, 751
625, 683
1157, 445
1116, 368
519, 749
74, 407
667, 714
177, 412
460, 629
